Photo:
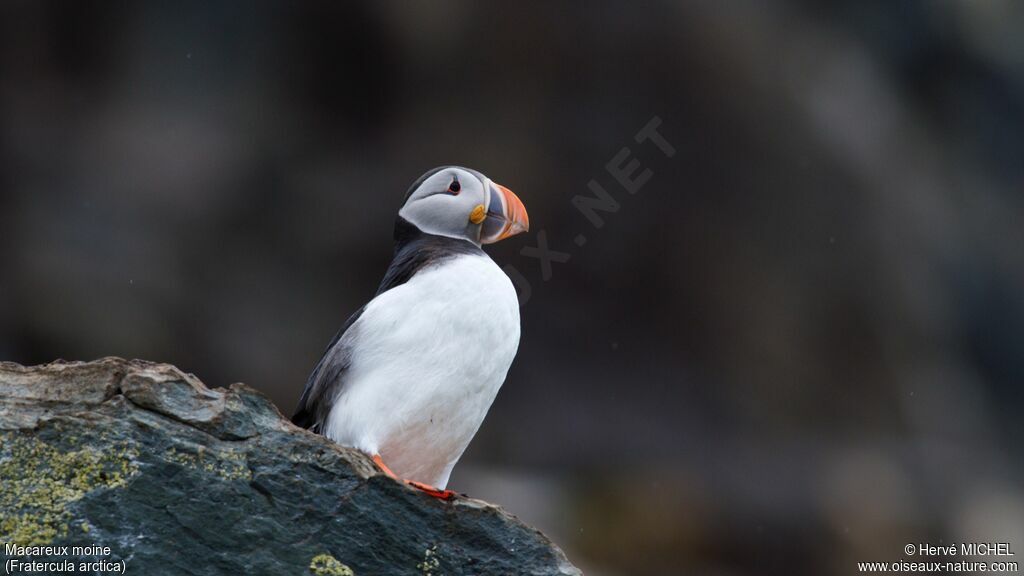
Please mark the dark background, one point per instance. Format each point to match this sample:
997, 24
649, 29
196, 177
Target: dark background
799, 346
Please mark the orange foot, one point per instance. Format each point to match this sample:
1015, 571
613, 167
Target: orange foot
435, 492
430, 490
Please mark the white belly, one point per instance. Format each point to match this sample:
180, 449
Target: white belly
428, 359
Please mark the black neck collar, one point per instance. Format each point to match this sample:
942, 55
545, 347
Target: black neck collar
415, 249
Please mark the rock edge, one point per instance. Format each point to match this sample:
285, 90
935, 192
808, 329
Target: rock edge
180, 479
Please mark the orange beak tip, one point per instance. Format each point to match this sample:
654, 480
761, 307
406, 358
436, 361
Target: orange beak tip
514, 215
518, 218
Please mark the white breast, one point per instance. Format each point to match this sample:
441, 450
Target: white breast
428, 359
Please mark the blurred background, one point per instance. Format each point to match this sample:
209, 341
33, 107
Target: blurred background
799, 346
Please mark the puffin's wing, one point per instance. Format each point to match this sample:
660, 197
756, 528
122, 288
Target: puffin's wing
327, 380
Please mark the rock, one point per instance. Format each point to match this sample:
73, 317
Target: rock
176, 478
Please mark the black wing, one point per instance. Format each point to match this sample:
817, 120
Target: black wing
327, 379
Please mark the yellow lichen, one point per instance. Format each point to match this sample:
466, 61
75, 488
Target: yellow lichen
38, 481
327, 565
229, 465
430, 562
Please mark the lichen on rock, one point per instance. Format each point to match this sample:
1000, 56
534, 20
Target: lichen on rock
227, 464
327, 565
39, 480
430, 564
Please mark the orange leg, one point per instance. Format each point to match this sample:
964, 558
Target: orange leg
435, 492
380, 463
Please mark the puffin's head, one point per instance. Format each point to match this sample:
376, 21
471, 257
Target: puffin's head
463, 203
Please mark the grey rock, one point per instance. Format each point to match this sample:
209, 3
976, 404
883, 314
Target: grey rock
176, 478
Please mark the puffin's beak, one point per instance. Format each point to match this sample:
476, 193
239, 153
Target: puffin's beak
506, 216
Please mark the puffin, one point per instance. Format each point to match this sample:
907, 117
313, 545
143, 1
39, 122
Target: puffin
409, 378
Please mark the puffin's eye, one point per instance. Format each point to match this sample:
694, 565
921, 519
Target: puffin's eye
454, 187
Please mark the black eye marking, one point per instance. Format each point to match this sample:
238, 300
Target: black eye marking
455, 187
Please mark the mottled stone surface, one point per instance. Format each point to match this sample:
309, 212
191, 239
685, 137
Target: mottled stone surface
179, 479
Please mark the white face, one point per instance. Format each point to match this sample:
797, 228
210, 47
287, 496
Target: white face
462, 203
